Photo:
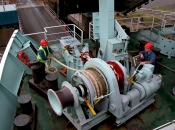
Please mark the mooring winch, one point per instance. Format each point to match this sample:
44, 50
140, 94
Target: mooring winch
97, 88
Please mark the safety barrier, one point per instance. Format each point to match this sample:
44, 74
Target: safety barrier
66, 30
91, 31
157, 19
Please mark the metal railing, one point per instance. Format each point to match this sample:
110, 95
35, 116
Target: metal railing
165, 15
67, 30
65, 27
47, 32
91, 35
137, 23
31, 34
54, 14
168, 125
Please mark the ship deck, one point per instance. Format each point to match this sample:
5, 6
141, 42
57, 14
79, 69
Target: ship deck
161, 112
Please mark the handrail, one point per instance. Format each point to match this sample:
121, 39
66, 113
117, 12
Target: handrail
56, 15
33, 33
138, 22
165, 14
135, 23
63, 25
72, 32
91, 31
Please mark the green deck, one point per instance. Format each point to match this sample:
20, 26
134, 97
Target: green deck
153, 116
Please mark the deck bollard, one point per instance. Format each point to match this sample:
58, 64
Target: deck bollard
37, 71
25, 103
22, 122
52, 81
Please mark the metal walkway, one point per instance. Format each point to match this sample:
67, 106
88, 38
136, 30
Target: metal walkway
34, 16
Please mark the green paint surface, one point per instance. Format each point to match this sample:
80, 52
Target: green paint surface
161, 112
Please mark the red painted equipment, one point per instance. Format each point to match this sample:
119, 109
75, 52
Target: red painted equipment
23, 58
118, 72
83, 55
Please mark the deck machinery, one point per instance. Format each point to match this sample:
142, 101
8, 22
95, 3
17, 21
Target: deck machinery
101, 87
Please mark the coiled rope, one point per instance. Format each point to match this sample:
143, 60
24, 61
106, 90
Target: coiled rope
97, 78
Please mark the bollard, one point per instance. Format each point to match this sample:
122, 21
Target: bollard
25, 103
52, 81
37, 71
22, 122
